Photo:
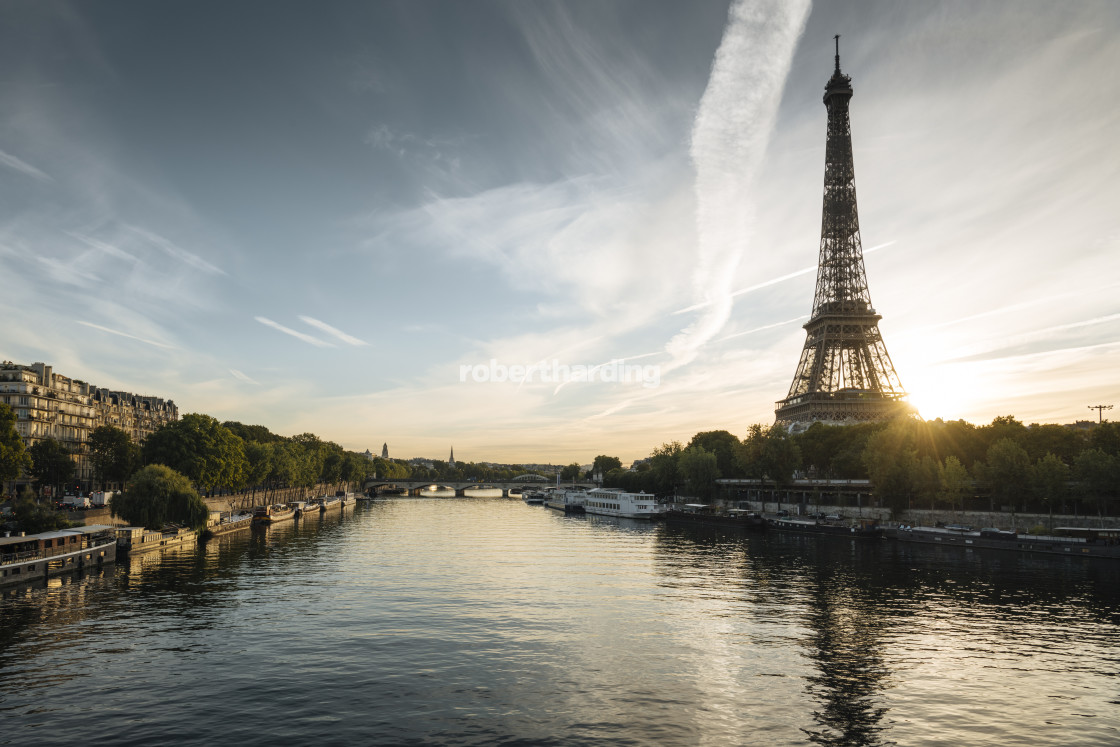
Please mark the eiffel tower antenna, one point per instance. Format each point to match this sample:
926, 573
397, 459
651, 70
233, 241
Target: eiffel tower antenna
845, 374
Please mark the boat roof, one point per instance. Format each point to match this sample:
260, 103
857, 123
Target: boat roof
1109, 531
15, 540
55, 534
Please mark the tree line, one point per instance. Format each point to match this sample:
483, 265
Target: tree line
165, 477
909, 462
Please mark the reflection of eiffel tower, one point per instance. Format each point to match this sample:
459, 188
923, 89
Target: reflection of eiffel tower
845, 374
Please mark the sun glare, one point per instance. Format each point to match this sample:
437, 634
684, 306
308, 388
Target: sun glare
937, 392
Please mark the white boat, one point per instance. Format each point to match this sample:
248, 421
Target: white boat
568, 501
536, 497
614, 502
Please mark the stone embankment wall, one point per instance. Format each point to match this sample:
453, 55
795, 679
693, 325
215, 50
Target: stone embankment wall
237, 502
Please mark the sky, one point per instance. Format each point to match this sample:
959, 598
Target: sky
359, 219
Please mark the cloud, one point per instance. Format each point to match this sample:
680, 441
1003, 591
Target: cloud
729, 140
772, 281
348, 339
177, 252
23, 167
125, 335
298, 335
243, 377
764, 327
102, 246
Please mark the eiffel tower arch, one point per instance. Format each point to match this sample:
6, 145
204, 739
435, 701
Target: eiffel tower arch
845, 374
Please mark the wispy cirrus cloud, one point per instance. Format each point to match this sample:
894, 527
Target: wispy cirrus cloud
289, 331
240, 376
729, 140
177, 252
773, 281
333, 331
23, 167
118, 333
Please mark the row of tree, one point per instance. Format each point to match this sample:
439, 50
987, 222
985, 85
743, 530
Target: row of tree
909, 462
193, 454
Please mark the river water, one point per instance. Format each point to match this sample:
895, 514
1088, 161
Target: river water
487, 621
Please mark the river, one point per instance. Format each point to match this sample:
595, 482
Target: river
487, 621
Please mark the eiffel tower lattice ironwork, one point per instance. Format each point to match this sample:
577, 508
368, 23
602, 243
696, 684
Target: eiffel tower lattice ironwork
845, 374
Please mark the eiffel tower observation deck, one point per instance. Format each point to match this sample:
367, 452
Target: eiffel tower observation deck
845, 374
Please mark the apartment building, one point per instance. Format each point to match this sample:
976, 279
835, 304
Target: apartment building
50, 405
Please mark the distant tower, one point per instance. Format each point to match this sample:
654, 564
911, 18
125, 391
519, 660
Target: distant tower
451, 461
845, 374
385, 451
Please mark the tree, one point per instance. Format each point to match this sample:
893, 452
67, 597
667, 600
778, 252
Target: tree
201, 448
112, 453
14, 458
770, 453
1098, 476
51, 463
929, 480
892, 463
34, 517
252, 432
954, 480
571, 472
665, 475
700, 469
258, 461
1106, 437
604, 464
1049, 480
723, 445
158, 495
1059, 440
354, 467
1008, 470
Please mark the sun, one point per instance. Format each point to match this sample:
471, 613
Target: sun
938, 391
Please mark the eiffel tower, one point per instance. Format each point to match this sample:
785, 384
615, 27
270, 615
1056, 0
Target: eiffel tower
845, 374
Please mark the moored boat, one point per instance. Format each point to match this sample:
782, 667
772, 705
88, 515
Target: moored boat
306, 509
273, 514
568, 501
534, 498
30, 558
698, 513
1092, 543
861, 529
614, 502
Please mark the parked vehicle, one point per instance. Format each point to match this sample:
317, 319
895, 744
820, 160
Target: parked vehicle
101, 498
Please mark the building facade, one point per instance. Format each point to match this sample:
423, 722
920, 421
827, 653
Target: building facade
50, 405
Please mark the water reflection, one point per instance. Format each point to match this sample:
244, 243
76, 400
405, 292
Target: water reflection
479, 621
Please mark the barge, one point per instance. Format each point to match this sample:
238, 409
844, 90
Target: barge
1079, 542
273, 514
137, 540
701, 514
568, 501
28, 558
863, 529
